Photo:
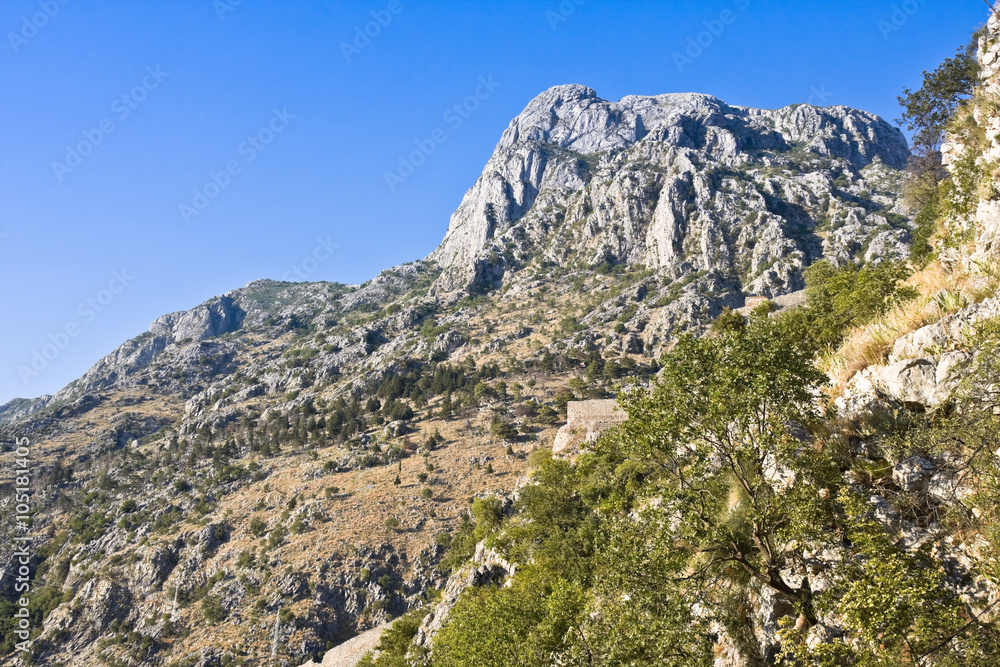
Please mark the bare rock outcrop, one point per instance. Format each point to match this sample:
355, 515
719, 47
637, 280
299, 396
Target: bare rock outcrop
683, 183
925, 367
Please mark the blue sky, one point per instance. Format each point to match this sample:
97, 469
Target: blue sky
277, 137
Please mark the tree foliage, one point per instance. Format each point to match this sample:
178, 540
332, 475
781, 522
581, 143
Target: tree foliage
927, 110
717, 496
843, 297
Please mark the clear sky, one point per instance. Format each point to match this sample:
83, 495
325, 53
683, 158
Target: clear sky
274, 122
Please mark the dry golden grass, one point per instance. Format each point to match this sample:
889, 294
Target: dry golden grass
940, 294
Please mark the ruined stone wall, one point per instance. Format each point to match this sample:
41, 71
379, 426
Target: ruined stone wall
601, 410
585, 421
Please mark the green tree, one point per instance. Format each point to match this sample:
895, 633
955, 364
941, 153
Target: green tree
395, 641
743, 488
927, 110
839, 298
562, 398
521, 625
502, 429
728, 320
446, 409
213, 610
895, 605
927, 113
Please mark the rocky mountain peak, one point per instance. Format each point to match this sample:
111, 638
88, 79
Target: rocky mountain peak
651, 179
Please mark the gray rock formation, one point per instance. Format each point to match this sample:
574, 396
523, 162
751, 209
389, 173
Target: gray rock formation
19, 408
925, 367
488, 568
716, 202
681, 183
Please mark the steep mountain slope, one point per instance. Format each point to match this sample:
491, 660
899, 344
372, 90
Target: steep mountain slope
284, 465
739, 517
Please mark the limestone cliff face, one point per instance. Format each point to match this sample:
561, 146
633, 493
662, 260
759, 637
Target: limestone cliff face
682, 183
972, 155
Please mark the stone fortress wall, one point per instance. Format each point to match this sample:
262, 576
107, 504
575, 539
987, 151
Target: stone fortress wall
585, 421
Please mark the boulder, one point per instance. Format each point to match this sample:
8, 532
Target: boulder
913, 474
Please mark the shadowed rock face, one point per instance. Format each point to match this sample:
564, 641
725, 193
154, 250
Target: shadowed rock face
677, 182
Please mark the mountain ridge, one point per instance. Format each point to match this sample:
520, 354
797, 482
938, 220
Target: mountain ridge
573, 117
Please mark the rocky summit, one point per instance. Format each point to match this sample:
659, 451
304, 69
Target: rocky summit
683, 184
289, 465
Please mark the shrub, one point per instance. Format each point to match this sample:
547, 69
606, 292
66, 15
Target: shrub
850, 296
396, 641
502, 429
257, 526
276, 537
213, 610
